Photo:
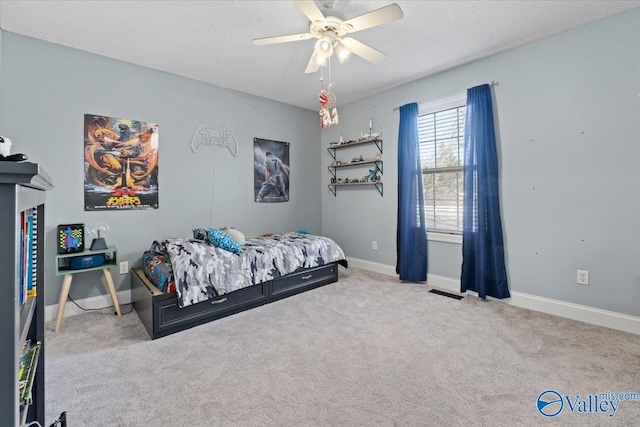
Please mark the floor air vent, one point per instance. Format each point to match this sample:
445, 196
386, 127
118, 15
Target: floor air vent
446, 294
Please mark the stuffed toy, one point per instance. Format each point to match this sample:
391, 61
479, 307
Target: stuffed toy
5, 150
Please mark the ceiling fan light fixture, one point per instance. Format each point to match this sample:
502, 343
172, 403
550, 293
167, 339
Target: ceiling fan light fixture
324, 47
342, 52
319, 59
332, 31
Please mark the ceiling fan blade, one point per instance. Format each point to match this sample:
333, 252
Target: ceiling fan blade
362, 50
384, 15
281, 39
310, 9
313, 65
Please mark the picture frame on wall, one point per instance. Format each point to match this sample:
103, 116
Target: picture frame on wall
120, 164
271, 171
70, 238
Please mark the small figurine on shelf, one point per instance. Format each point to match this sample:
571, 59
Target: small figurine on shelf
371, 135
373, 175
5, 150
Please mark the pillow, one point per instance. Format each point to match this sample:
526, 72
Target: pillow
236, 235
200, 234
222, 240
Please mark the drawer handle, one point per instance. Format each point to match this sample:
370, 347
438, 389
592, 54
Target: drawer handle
308, 276
219, 301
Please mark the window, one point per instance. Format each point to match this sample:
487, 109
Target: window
441, 136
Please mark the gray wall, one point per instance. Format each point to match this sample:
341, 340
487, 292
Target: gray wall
568, 129
568, 126
46, 90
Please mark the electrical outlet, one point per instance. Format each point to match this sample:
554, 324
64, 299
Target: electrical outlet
583, 277
124, 267
374, 245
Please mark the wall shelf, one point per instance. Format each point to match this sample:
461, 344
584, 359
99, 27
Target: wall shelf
378, 184
376, 141
333, 168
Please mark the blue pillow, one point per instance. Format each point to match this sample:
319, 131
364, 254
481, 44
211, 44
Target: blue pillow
222, 240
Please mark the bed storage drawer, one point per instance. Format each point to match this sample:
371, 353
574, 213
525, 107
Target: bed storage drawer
307, 279
168, 316
162, 316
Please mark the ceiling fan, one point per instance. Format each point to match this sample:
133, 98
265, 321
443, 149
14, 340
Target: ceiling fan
330, 30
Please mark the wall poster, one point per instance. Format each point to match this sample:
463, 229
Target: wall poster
270, 171
120, 164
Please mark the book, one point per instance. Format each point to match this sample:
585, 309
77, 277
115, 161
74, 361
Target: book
21, 283
28, 374
32, 278
29, 252
23, 358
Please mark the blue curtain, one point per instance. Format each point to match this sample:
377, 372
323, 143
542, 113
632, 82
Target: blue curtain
412, 232
483, 268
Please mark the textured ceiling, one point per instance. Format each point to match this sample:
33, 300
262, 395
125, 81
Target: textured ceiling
211, 40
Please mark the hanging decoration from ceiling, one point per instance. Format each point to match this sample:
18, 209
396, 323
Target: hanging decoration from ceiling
328, 111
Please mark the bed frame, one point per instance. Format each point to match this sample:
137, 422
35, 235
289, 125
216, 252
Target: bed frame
161, 316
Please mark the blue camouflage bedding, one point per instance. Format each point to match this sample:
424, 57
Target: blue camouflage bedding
203, 271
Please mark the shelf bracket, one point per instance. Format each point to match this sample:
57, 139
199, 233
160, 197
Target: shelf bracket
379, 188
333, 189
332, 170
379, 166
378, 143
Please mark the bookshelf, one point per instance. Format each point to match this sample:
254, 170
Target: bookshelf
22, 194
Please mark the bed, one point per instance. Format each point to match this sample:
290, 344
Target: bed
187, 282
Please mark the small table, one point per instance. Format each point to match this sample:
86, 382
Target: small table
63, 268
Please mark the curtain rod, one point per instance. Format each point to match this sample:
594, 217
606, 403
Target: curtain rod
493, 83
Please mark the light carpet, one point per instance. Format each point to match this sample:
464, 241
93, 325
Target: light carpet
366, 351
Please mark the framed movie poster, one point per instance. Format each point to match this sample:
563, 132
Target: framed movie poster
270, 171
120, 164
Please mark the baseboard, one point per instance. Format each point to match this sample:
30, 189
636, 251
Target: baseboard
583, 313
91, 303
441, 282
376, 267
